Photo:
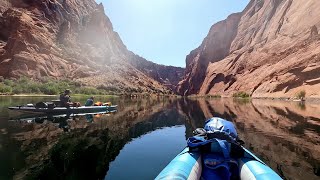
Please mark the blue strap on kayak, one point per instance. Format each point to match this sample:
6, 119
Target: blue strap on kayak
197, 141
224, 148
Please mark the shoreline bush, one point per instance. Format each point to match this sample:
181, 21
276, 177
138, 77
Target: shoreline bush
301, 95
241, 94
4, 89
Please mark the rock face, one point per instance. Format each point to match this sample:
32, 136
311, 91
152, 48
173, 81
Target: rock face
167, 75
271, 49
215, 47
72, 39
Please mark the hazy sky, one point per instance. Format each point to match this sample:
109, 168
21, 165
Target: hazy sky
165, 31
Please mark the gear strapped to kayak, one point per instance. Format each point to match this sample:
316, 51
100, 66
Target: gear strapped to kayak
216, 152
220, 145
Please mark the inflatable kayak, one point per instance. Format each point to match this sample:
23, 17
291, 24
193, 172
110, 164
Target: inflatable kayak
64, 110
216, 152
34, 117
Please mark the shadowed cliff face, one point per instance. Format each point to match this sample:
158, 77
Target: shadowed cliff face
169, 76
274, 53
73, 39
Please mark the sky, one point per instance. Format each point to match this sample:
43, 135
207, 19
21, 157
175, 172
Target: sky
165, 31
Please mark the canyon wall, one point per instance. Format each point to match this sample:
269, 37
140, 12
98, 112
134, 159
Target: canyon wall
72, 39
271, 49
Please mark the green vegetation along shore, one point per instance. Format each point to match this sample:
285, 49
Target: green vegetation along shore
28, 86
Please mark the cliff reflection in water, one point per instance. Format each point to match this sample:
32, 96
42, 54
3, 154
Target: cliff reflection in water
284, 134
82, 147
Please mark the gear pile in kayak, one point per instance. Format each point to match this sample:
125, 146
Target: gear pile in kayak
216, 152
54, 108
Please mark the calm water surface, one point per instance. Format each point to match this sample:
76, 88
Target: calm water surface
144, 135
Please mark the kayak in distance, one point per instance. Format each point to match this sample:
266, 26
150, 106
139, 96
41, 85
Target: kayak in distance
216, 152
52, 108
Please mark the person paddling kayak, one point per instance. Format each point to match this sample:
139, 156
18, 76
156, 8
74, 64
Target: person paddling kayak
65, 99
89, 101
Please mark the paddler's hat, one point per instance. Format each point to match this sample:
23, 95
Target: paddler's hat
67, 91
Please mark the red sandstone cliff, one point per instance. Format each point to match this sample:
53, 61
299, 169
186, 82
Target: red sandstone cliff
71, 39
271, 50
215, 47
169, 76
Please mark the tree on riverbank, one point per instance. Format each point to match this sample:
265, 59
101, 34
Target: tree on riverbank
301, 95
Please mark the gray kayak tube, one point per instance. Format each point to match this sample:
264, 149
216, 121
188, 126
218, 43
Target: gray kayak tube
63, 110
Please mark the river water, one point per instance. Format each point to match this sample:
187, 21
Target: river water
144, 135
